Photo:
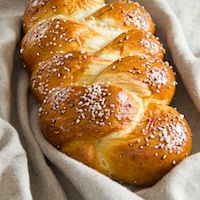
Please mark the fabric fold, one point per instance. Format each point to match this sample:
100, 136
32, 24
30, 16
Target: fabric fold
14, 176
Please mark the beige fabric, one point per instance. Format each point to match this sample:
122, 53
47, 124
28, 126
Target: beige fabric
26, 175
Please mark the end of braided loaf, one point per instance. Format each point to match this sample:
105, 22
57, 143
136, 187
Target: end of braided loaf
98, 72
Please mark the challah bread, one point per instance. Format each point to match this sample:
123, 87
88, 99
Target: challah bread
161, 140
58, 35
64, 70
118, 17
104, 90
151, 79
39, 10
133, 42
118, 134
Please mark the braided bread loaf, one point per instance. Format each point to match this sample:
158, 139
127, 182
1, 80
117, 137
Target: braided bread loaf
104, 90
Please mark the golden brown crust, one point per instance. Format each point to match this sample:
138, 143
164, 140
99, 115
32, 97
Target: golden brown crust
150, 78
147, 150
104, 88
58, 35
85, 152
64, 70
133, 42
123, 16
159, 142
37, 11
86, 112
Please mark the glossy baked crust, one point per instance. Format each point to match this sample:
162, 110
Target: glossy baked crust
133, 42
98, 73
39, 10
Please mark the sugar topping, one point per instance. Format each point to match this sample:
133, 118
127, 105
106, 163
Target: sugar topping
90, 103
156, 77
151, 46
152, 72
36, 3
170, 131
50, 34
137, 18
93, 101
57, 100
48, 71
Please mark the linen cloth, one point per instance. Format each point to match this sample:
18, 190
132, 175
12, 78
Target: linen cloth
30, 168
